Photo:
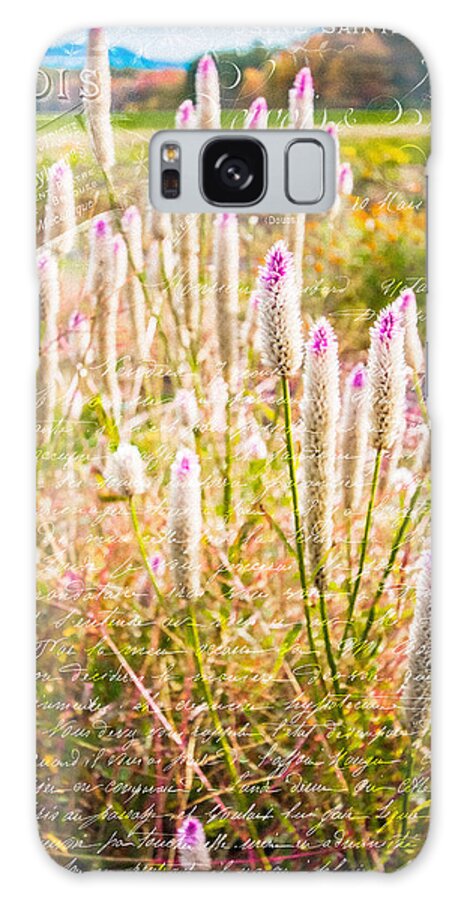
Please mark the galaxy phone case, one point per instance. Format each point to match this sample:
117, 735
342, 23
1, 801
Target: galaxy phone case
233, 464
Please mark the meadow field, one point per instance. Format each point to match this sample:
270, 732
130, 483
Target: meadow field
233, 511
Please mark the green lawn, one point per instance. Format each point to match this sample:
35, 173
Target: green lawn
159, 119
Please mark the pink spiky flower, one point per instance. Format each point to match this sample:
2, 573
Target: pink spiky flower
278, 265
303, 83
413, 352
120, 261
386, 376
358, 378
186, 410
257, 114
101, 227
320, 409
206, 65
225, 219
43, 260
100, 270
207, 93
192, 847
332, 129
132, 227
301, 100
186, 116
345, 179
126, 471
279, 312
355, 430
72, 583
157, 565
78, 336
76, 320
184, 523
60, 214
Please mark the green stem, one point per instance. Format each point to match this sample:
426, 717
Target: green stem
327, 643
331, 660
391, 560
228, 464
348, 552
339, 694
278, 530
143, 552
241, 800
364, 543
299, 535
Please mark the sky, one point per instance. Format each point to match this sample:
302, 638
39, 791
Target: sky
177, 45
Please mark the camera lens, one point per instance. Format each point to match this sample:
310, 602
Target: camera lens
233, 171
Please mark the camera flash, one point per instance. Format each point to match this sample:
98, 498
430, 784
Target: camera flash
170, 153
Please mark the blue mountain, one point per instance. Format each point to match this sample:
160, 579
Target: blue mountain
72, 56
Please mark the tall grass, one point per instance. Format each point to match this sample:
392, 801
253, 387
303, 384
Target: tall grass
220, 683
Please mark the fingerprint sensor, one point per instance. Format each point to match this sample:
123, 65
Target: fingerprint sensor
304, 176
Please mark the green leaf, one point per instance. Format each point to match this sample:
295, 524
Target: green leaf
286, 645
97, 421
